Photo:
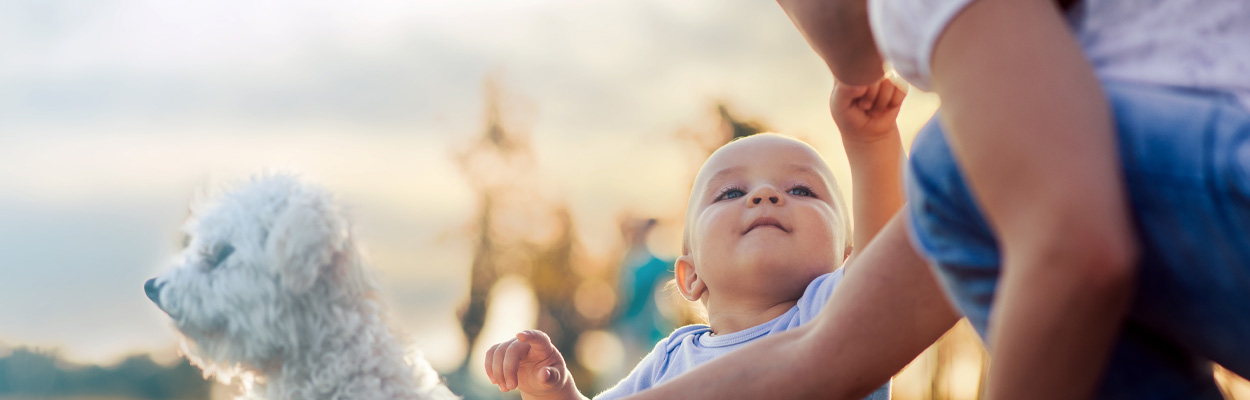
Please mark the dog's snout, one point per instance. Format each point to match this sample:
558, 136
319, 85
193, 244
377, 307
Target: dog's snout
153, 290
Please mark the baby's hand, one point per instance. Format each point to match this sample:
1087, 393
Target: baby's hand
867, 113
531, 363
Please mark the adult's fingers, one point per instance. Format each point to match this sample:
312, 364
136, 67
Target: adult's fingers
511, 362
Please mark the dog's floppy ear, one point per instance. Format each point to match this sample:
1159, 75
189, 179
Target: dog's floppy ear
305, 238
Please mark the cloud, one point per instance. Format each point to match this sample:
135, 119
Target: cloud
627, 64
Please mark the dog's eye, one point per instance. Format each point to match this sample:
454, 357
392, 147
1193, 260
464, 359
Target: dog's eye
219, 254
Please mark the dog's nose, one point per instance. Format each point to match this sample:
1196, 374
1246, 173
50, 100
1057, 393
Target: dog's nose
153, 291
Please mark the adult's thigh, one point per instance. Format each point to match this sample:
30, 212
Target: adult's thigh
1187, 164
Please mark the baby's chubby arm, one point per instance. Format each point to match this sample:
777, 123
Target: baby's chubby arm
865, 116
531, 363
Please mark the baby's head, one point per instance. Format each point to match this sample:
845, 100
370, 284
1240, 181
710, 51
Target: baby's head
765, 218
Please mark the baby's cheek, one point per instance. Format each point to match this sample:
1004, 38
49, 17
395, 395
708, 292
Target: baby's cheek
714, 228
826, 229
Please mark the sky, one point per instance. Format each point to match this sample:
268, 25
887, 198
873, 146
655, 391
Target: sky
114, 114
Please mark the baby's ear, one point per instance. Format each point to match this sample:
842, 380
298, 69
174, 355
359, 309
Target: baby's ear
304, 239
688, 281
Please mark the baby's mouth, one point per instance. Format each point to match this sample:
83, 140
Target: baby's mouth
766, 222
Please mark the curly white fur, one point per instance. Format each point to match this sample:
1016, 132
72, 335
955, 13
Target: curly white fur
270, 291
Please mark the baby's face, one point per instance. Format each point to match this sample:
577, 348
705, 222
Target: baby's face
762, 218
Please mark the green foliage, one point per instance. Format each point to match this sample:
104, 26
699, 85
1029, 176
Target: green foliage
38, 373
735, 128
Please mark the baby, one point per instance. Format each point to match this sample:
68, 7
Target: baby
766, 232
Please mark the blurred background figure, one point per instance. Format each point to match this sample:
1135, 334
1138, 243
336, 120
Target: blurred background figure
643, 287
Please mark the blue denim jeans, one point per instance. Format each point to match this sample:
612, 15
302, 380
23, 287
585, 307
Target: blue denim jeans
1186, 161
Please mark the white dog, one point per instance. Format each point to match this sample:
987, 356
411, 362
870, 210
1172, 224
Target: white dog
271, 289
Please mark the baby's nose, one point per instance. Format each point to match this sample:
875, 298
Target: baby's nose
765, 192
772, 199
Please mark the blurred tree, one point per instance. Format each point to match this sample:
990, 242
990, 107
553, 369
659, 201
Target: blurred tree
555, 283
727, 127
518, 231
734, 128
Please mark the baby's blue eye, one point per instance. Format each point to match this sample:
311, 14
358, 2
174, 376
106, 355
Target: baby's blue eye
730, 194
801, 191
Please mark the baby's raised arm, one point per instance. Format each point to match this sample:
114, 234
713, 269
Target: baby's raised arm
531, 363
865, 116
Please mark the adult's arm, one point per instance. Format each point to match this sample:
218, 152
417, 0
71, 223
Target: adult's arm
1030, 125
838, 31
887, 310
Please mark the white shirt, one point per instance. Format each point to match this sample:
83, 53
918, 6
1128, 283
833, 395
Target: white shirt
1199, 44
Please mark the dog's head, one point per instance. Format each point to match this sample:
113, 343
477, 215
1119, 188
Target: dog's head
263, 266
